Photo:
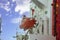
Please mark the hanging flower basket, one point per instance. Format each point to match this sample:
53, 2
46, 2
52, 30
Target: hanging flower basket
27, 23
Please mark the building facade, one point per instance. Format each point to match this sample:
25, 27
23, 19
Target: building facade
41, 10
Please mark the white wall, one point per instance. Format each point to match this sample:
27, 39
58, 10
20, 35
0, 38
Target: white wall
44, 2
41, 37
41, 14
48, 8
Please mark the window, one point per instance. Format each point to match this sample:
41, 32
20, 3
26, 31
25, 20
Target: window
42, 26
37, 30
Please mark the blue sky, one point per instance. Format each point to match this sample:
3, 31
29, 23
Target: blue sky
11, 12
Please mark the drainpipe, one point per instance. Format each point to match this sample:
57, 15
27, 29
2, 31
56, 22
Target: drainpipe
54, 7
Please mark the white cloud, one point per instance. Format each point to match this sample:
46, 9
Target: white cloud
22, 8
26, 1
13, 0
8, 3
5, 6
16, 20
